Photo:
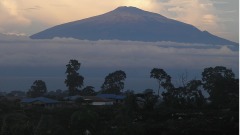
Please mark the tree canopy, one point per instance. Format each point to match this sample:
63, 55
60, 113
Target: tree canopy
221, 85
88, 91
162, 77
38, 89
114, 82
73, 80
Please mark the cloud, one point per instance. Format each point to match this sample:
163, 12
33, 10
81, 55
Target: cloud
23, 60
10, 14
125, 54
194, 12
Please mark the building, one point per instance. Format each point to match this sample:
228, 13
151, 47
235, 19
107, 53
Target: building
94, 100
40, 102
116, 98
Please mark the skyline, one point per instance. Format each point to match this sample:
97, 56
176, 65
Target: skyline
29, 17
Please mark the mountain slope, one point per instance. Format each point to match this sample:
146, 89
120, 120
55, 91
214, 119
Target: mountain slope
130, 23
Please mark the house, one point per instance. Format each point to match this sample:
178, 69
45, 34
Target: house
115, 98
73, 98
86, 100
94, 100
40, 102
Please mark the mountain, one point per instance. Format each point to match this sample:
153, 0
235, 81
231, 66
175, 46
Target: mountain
130, 23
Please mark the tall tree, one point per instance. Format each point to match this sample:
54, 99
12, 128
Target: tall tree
114, 82
221, 85
38, 89
162, 78
88, 91
74, 80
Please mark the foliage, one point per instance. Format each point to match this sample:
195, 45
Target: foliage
188, 96
183, 112
88, 91
82, 121
16, 124
130, 103
221, 85
149, 99
162, 77
114, 82
47, 125
74, 80
38, 89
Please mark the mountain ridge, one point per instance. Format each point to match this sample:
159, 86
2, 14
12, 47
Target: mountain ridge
134, 24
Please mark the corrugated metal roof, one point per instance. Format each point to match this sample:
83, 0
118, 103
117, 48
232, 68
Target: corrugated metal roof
41, 99
96, 99
111, 96
73, 97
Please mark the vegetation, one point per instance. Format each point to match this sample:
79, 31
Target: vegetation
114, 82
182, 110
88, 91
162, 77
38, 89
74, 80
221, 85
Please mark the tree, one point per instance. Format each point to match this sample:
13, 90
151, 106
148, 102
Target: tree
221, 85
186, 96
149, 99
88, 91
73, 80
162, 77
130, 102
38, 89
114, 82
194, 94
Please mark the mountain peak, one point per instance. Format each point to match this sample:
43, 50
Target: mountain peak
128, 9
134, 11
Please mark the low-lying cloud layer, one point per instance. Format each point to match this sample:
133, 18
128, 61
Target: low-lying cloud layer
54, 54
45, 53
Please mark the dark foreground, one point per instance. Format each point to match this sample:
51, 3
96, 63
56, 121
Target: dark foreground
122, 119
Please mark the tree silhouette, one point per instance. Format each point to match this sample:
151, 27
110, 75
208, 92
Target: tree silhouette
149, 99
221, 85
38, 89
88, 91
186, 96
162, 77
73, 80
114, 82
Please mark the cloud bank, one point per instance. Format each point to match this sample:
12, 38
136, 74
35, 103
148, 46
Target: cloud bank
23, 60
57, 52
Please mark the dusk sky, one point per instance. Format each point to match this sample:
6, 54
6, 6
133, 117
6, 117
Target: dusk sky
27, 17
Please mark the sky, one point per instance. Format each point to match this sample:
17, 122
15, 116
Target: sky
27, 17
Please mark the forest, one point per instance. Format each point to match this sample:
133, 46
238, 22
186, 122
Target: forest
182, 110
